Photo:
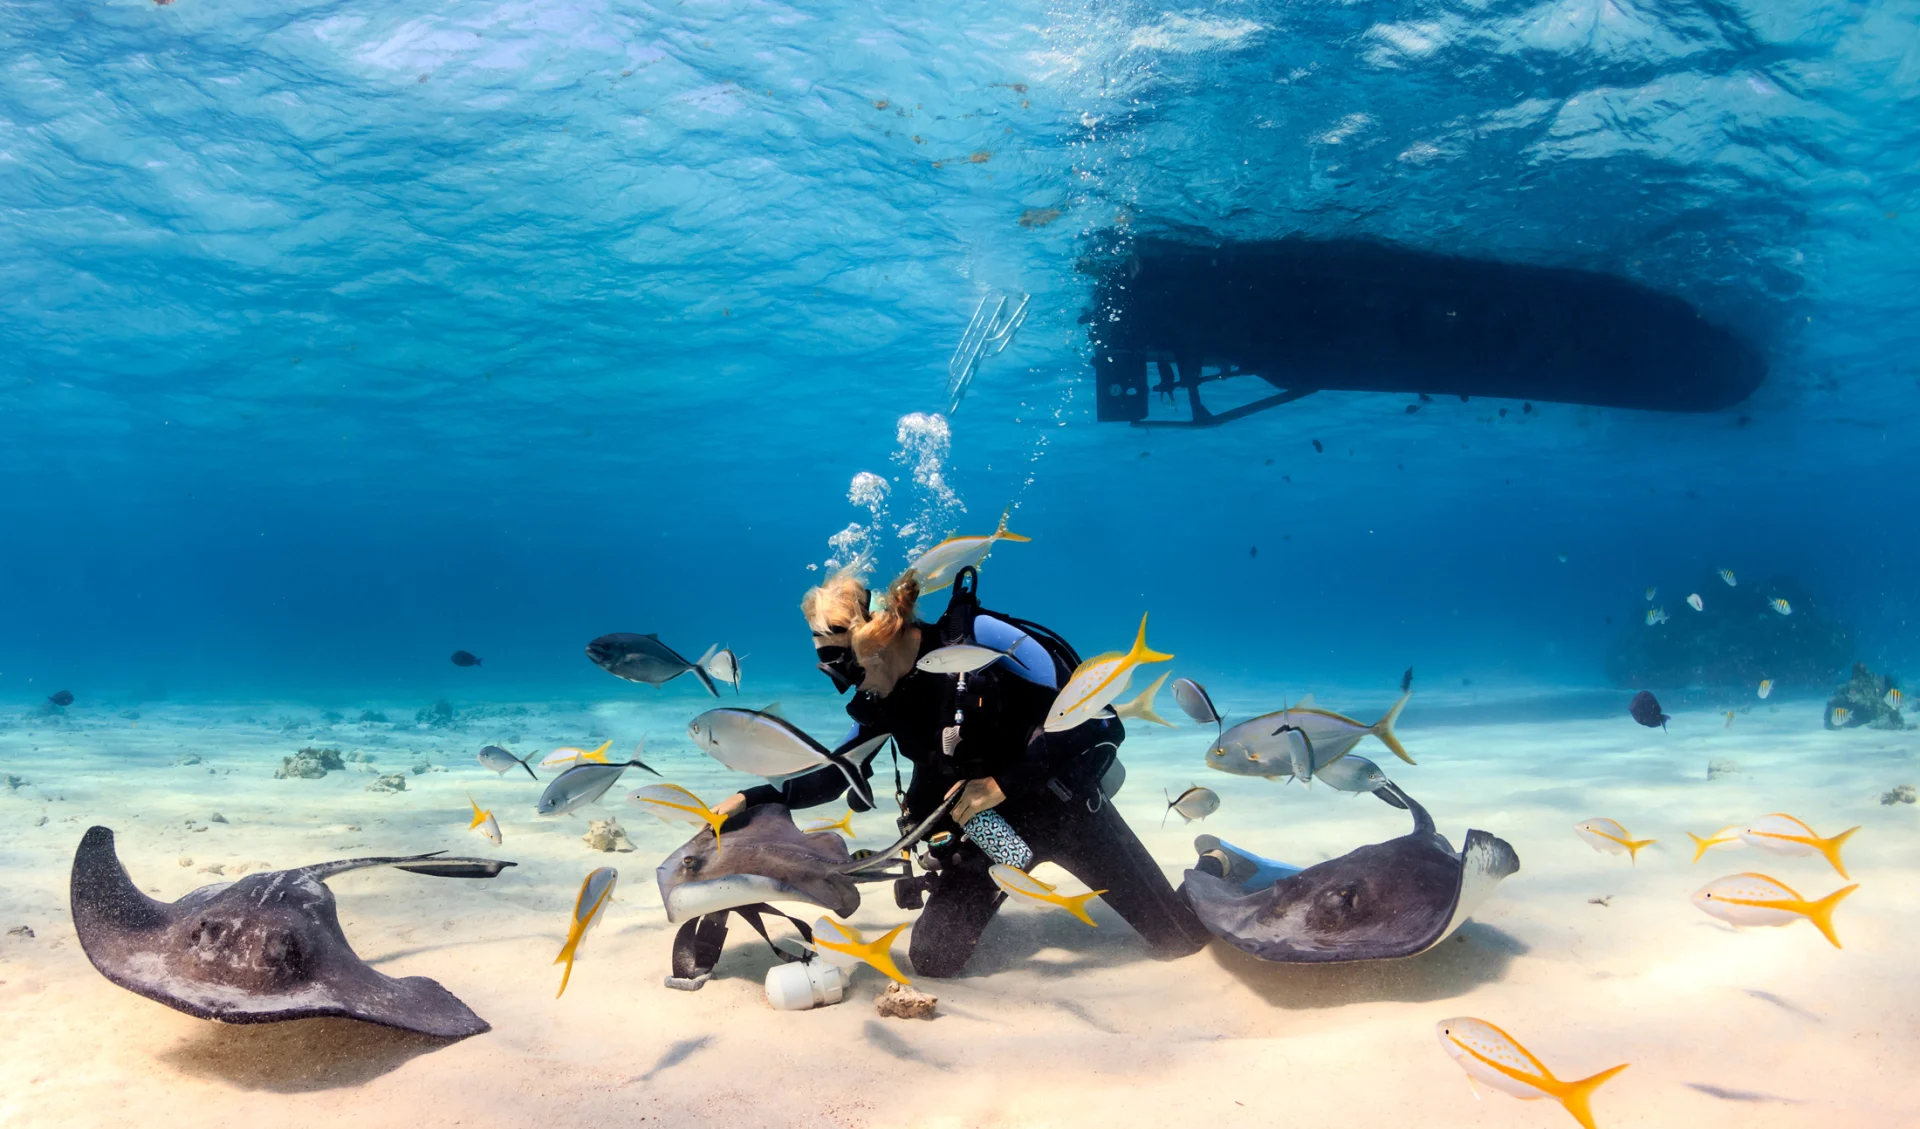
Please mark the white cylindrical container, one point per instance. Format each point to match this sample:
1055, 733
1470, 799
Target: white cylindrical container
799, 986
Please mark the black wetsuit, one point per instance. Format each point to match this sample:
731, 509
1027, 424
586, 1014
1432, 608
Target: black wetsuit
1063, 819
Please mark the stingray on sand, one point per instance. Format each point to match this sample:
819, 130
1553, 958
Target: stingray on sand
265, 948
1390, 899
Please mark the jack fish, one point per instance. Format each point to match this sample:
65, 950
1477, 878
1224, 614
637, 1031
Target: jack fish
765, 744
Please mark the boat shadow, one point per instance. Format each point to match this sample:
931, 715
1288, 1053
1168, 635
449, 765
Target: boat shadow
299, 1055
1476, 954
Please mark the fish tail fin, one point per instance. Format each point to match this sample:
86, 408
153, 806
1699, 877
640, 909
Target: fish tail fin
706, 679
479, 817
714, 820
566, 975
707, 656
879, 954
1142, 704
1576, 1095
1383, 729
1699, 846
599, 754
1001, 533
1633, 847
1141, 653
1821, 912
854, 780
522, 761
1831, 849
1076, 904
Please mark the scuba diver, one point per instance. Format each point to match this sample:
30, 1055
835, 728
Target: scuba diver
975, 741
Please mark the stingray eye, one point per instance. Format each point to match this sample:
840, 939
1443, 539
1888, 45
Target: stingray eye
1348, 896
690, 863
208, 933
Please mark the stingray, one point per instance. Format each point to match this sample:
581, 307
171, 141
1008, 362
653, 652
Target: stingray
265, 948
1391, 899
761, 856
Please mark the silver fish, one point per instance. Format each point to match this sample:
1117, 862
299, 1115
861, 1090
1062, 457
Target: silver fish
765, 744
582, 784
1194, 803
965, 658
723, 665
1328, 735
1257, 748
1353, 773
644, 658
1192, 698
501, 761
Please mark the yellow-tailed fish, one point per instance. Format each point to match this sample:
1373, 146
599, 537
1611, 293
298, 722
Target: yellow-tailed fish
836, 941
489, 826
674, 804
939, 565
1725, 838
1726, 574
594, 894
1097, 682
1780, 605
1140, 707
568, 755
1729, 724
1766, 687
1656, 615
1782, 834
1606, 835
1694, 602
1839, 716
1490, 1055
844, 825
1018, 883
1755, 899
1651, 593
1894, 698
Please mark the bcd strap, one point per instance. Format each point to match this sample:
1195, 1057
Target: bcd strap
696, 947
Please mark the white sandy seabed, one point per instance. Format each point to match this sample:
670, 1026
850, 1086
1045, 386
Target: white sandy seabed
1054, 1023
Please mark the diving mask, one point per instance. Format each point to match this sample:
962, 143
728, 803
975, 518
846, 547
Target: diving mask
839, 664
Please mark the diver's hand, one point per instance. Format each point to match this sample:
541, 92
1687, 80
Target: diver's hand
731, 806
977, 796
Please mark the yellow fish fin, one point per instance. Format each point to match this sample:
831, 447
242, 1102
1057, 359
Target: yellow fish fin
1821, 912
1700, 845
1633, 847
479, 817
1831, 849
877, 952
1142, 704
1383, 729
1001, 533
1076, 904
1576, 1095
844, 825
599, 754
1141, 653
566, 954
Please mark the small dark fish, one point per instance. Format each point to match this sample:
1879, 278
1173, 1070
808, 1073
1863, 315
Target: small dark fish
1526, 407
1425, 399
1503, 413
1253, 551
61, 698
500, 760
1318, 448
1412, 408
465, 658
1646, 710
1406, 681
1609, 621
1463, 397
1269, 462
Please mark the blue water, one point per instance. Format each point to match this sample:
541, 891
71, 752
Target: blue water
339, 338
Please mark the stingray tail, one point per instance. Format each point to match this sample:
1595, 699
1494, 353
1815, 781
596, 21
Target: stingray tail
1576, 1095
1383, 729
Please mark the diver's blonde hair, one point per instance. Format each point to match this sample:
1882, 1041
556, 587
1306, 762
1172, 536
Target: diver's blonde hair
841, 604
